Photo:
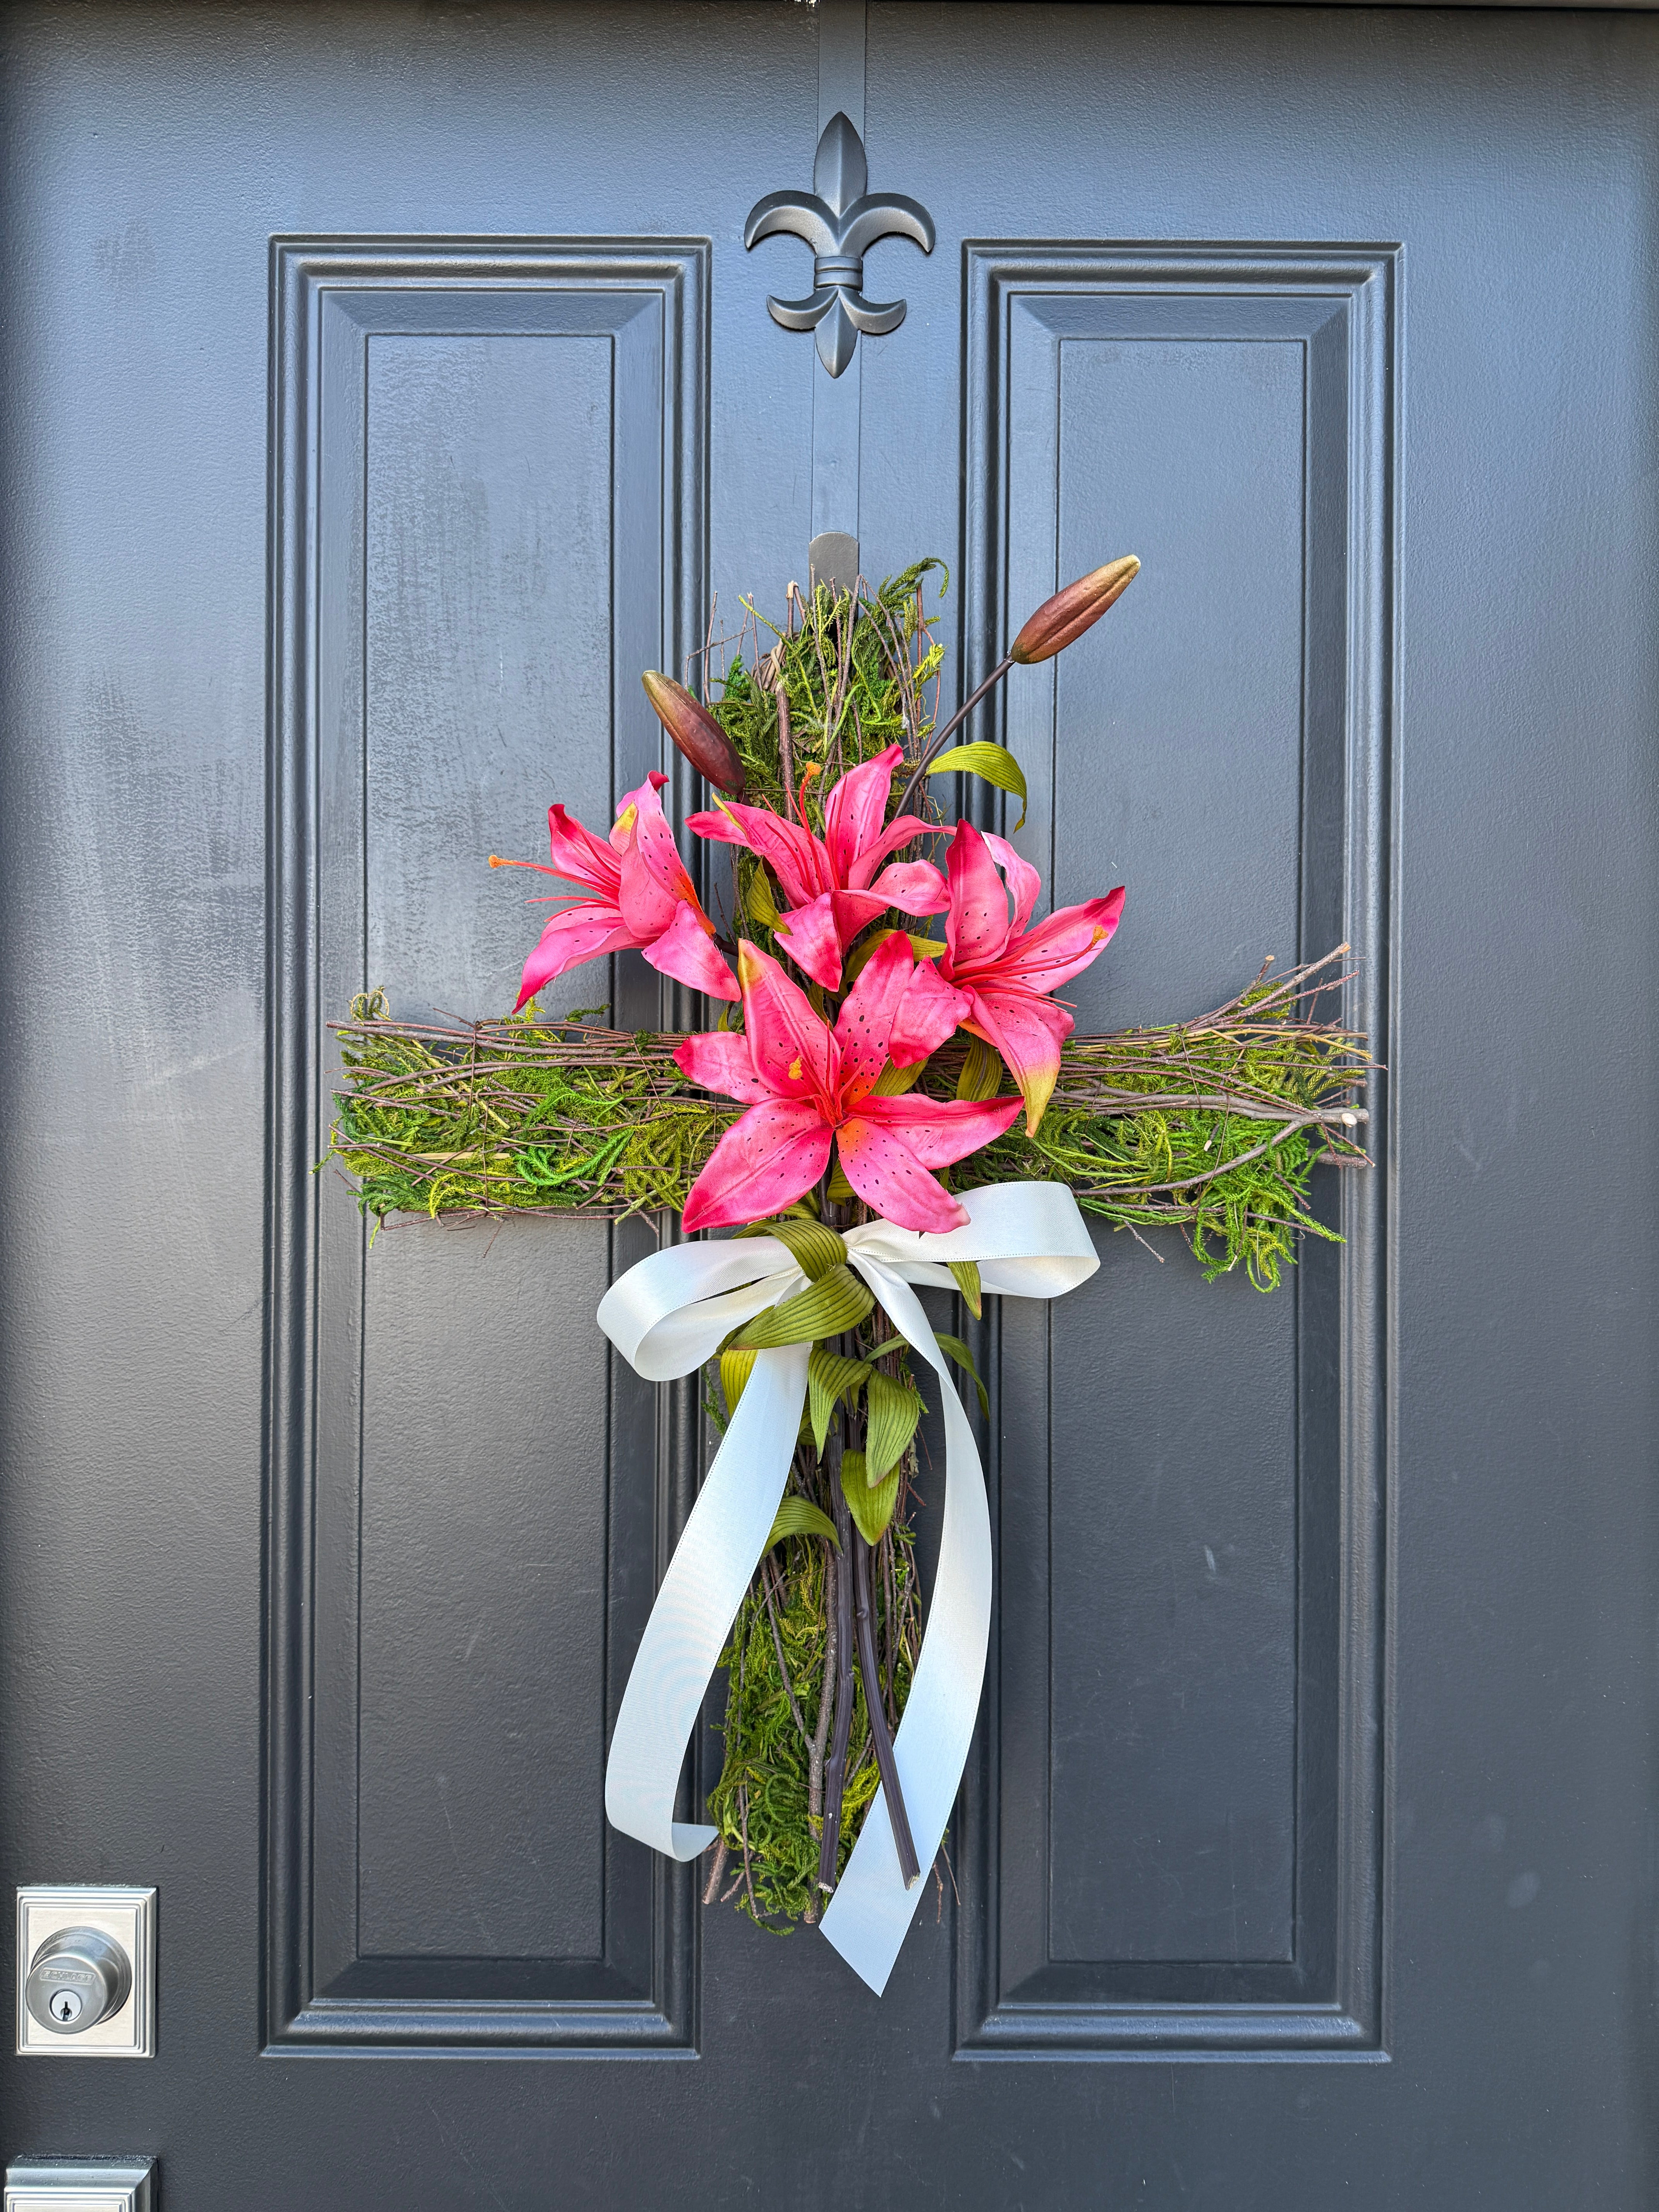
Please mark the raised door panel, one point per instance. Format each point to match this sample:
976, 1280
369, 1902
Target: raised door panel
1174, 1838
488, 516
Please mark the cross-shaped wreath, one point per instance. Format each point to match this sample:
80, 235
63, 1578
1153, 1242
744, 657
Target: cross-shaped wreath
905, 1109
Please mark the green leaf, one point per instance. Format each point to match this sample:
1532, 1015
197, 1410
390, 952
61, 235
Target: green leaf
829, 1379
967, 1274
981, 1071
924, 948
835, 1302
871, 1508
893, 1409
798, 1516
736, 1368
995, 762
815, 1249
840, 1189
956, 1349
893, 1081
758, 902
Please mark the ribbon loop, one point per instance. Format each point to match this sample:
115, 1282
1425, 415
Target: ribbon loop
666, 1317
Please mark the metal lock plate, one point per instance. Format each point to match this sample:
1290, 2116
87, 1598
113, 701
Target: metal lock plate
80, 2185
126, 1918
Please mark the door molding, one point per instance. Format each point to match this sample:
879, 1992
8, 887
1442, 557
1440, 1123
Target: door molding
647, 301
1024, 305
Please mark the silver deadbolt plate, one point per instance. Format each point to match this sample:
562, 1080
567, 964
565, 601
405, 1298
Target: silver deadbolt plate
86, 1972
59, 2184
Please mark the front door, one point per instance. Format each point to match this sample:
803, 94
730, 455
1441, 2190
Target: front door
385, 386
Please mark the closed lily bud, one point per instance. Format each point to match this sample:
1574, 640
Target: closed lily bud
695, 731
1071, 611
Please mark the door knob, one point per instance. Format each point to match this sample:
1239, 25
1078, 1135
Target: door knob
77, 1978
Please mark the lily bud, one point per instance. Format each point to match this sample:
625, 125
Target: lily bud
695, 731
1071, 611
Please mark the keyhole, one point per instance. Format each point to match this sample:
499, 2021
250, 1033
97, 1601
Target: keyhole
66, 2006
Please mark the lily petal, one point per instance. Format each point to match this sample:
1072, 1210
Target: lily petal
719, 1061
582, 932
790, 1045
930, 1010
654, 876
793, 854
627, 809
817, 934
1028, 1031
1063, 945
903, 829
854, 810
764, 1163
977, 929
1023, 880
941, 1131
887, 1174
684, 952
914, 887
580, 856
865, 1021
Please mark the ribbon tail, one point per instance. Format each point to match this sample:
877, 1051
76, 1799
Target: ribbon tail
697, 1605
870, 1914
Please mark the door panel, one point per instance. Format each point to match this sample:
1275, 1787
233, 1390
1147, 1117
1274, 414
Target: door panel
383, 386
472, 1526
1187, 1738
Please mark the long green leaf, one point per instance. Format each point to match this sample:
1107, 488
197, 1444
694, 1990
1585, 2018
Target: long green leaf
829, 1379
736, 1368
957, 1350
814, 1247
835, 1302
870, 1507
893, 1409
995, 762
924, 948
967, 1274
982, 1071
758, 902
893, 1081
798, 1516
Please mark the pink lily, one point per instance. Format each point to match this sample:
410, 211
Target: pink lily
805, 1085
831, 882
642, 898
1005, 970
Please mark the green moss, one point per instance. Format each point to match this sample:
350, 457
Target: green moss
561, 1117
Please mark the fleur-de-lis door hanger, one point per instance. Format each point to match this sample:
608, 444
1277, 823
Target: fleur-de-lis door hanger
840, 220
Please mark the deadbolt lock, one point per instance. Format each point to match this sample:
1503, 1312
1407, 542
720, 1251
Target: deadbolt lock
77, 1978
86, 1964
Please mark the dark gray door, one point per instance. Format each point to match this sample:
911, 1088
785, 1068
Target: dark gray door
383, 387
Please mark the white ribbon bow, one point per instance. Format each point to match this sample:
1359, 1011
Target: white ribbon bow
670, 1314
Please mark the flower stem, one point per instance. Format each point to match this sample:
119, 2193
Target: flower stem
834, 1778
934, 745
892, 1792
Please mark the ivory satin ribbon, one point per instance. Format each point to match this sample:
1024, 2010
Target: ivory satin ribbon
667, 1316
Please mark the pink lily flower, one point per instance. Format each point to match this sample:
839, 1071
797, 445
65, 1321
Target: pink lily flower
831, 882
1004, 970
805, 1085
642, 898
